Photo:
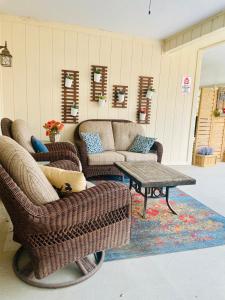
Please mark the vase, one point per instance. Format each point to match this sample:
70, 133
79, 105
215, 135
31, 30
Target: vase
121, 98
74, 111
54, 137
142, 116
97, 77
101, 102
68, 82
149, 94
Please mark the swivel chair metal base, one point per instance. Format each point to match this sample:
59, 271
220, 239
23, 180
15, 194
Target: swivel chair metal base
86, 267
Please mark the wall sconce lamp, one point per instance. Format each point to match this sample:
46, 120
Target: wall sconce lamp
5, 56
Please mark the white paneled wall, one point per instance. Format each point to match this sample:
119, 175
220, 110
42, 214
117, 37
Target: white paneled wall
31, 88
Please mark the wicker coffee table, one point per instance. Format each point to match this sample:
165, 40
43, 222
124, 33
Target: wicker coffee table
153, 180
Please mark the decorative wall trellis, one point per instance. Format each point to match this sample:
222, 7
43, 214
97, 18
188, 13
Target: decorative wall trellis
115, 102
143, 102
98, 88
69, 97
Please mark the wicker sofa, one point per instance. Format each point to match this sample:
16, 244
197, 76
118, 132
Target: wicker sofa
116, 137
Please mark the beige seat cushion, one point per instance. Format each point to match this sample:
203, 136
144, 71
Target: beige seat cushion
104, 128
25, 172
125, 133
133, 156
105, 158
21, 134
65, 180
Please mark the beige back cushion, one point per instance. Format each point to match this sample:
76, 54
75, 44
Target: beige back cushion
104, 128
25, 172
125, 133
21, 134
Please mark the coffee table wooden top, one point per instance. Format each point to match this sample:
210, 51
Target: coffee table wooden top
153, 174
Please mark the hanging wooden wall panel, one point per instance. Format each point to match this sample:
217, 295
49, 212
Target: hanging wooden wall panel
116, 90
99, 88
143, 103
69, 97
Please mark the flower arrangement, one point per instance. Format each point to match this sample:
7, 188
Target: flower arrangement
53, 129
205, 151
142, 111
142, 114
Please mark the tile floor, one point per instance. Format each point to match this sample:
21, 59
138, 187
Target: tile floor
198, 274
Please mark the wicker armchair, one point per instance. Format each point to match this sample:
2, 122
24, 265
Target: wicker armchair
57, 151
68, 230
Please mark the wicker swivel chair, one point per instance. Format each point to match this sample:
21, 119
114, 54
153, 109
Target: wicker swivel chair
66, 231
57, 151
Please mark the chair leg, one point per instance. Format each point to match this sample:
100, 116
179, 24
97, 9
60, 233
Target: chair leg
86, 266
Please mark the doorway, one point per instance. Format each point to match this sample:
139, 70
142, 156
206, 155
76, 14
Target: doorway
210, 118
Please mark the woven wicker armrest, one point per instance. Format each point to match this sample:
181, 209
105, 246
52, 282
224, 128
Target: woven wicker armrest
158, 148
65, 165
79, 208
61, 146
56, 155
82, 152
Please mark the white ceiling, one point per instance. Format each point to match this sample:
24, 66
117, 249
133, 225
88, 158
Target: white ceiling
125, 16
213, 66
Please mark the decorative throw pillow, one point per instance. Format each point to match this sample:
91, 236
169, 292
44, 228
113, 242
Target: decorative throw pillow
142, 144
25, 171
65, 181
93, 142
21, 134
38, 145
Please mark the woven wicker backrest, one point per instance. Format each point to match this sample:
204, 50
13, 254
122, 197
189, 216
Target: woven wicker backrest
18, 206
6, 125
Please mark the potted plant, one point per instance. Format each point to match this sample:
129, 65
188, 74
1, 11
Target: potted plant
150, 92
217, 112
142, 114
121, 96
53, 130
102, 100
68, 80
205, 157
74, 110
97, 75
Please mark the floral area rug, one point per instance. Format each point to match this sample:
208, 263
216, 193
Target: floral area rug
196, 226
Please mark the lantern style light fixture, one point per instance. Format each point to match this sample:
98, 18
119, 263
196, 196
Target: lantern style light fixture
5, 56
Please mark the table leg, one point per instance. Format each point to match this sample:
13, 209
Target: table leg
167, 201
145, 202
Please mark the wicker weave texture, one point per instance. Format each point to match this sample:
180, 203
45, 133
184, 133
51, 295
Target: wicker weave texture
61, 232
